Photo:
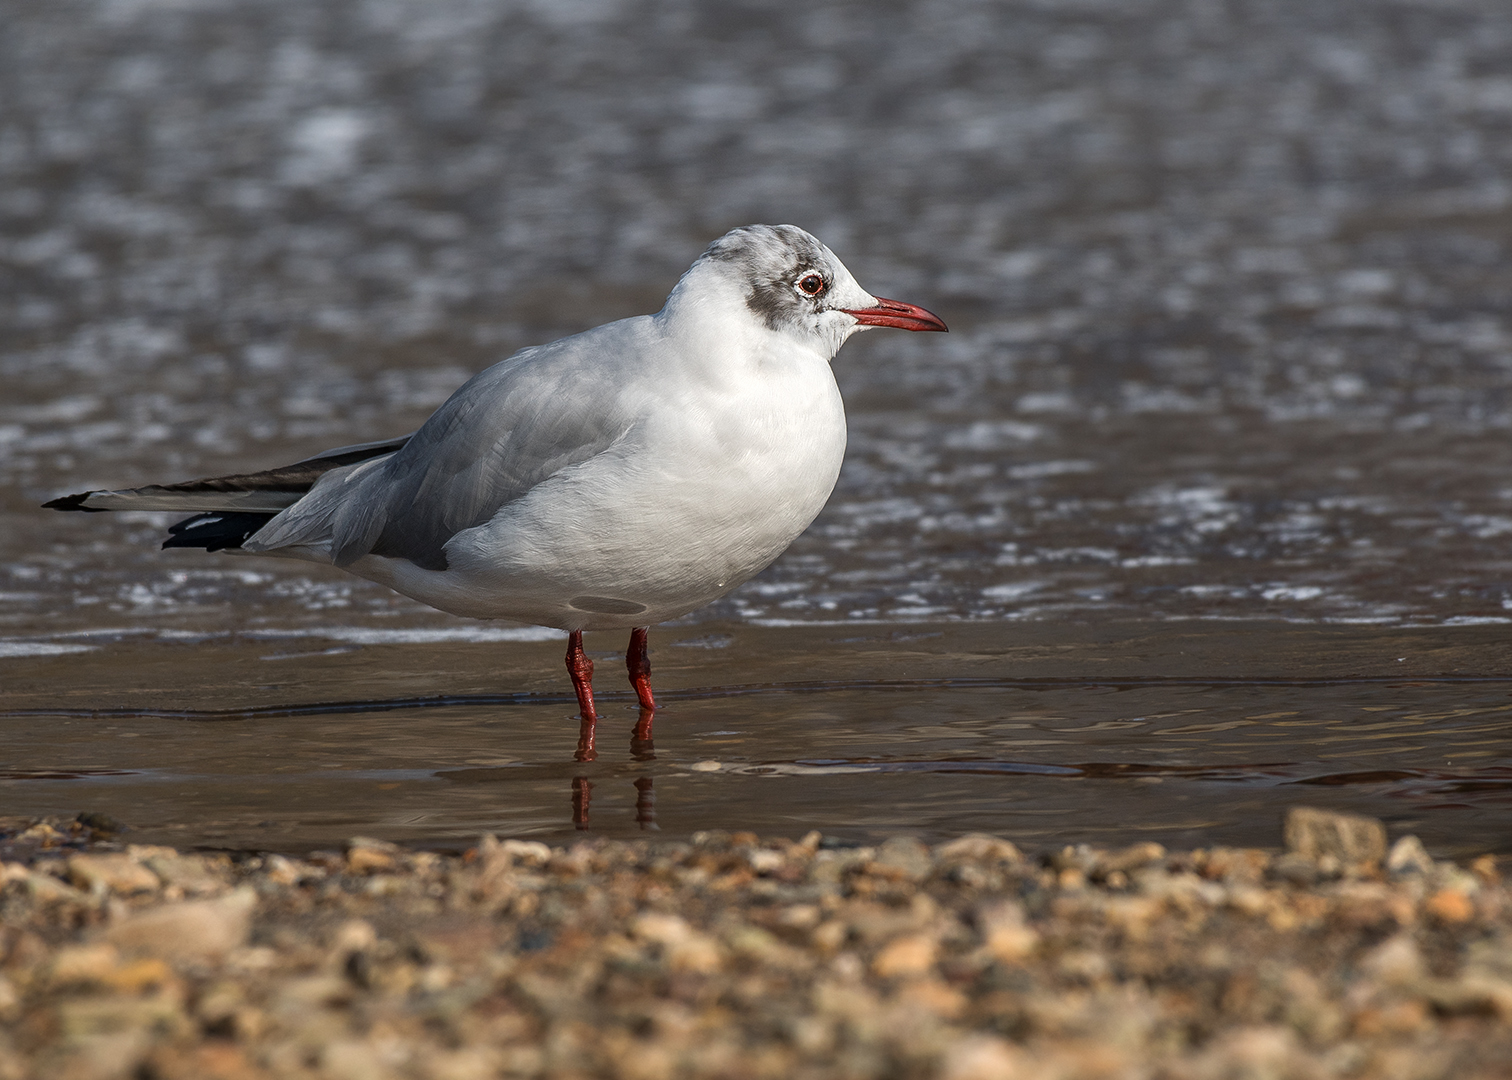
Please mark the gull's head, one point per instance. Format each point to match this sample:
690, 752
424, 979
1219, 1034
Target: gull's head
790, 283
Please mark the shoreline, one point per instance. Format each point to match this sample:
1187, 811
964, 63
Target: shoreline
736, 956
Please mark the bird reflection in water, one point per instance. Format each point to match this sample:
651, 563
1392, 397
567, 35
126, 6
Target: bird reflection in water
641, 749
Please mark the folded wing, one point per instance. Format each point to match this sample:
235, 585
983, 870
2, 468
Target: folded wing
502, 433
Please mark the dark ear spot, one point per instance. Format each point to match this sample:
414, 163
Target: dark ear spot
769, 301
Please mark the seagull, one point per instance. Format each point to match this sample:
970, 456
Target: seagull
610, 480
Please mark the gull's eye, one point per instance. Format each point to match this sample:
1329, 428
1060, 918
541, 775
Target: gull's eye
811, 284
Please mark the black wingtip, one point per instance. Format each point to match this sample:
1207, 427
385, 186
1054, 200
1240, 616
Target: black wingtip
215, 531
74, 502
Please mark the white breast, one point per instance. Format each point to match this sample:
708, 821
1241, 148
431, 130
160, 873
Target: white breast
719, 476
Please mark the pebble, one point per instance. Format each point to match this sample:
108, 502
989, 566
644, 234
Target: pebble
189, 930
1349, 839
1408, 856
741, 956
121, 874
906, 956
1450, 906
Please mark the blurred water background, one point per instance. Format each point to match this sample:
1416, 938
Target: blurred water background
1227, 284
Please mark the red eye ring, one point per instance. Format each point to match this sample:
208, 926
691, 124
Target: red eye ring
811, 284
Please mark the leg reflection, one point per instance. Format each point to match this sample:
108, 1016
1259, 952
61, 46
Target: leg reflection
645, 805
582, 798
641, 747
587, 735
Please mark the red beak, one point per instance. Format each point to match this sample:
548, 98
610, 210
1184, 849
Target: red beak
896, 313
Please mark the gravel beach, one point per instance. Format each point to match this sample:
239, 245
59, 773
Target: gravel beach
735, 955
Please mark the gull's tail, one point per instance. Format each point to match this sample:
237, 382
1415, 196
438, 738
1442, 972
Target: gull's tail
227, 509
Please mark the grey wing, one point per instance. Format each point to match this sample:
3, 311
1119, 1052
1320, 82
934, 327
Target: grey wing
267, 492
502, 433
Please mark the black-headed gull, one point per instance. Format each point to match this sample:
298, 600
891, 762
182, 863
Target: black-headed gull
613, 479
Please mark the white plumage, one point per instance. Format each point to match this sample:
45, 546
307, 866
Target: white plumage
616, 478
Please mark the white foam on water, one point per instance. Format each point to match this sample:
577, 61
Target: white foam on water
361, 635
10, 650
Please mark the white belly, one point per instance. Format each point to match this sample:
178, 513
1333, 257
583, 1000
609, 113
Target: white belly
680, 512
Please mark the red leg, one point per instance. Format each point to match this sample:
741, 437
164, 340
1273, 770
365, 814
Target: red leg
639, 664
581, 670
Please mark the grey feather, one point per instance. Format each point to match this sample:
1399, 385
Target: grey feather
271, 490
502, 433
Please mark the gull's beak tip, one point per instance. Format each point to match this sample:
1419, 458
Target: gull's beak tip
897, 314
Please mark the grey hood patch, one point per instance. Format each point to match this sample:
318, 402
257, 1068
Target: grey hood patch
768, 259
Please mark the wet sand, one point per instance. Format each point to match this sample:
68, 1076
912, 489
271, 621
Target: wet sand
735, 956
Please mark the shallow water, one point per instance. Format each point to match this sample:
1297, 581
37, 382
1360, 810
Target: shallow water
1185, 735
1229, 351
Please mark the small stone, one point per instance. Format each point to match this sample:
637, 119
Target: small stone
368, 856
1397, 961
1450, 906
1472, 993
902, 858
86, 1017
103, 824
352, 1059
984, 1057
705, 766
910, 955
469, 1063
1083, 965
1131, 858
1236, 866
75, 964
979, 847
1397, 1018
1270, 1051
1004, 933
1484, 868
1352, 839
1296, 869
800, 916
46, 890
213, 1061
42, 834
1370, 903
684, 947
1083, 857
282, 871
191, 930
135, 976
766, 861
530, 852
196, 875
1408, 856
934, 996
354, 935
829, 936
116, 873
